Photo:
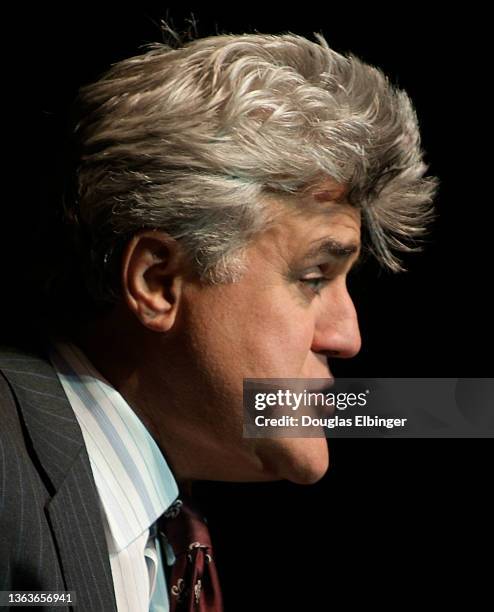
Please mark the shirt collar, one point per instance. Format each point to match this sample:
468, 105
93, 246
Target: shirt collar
134, 481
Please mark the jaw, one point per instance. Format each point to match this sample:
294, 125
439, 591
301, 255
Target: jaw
299, 460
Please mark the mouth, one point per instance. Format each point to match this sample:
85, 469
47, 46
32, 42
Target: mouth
320, 385
322, 405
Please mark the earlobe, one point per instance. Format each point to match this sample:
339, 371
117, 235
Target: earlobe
152, 276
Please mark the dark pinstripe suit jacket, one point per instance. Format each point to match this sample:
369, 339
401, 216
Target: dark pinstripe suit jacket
51, 533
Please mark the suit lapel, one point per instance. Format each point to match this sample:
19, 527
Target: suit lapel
50, 422
63, 463
76, 520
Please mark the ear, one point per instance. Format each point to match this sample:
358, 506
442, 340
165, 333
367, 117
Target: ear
153, 271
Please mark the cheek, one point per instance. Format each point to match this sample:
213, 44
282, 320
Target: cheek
277, 336
268, 335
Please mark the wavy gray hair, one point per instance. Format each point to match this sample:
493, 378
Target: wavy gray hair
191, 141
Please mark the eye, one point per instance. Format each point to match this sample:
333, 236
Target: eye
315, 281
315, 284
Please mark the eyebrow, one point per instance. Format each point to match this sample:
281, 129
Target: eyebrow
333, 248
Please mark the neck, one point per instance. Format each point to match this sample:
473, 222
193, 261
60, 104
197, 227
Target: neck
127, 357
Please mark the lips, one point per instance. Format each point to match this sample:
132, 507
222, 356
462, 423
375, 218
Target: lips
319, 386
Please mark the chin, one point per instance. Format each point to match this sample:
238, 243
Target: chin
300, 460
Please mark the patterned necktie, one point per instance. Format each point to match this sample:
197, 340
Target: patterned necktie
194, 584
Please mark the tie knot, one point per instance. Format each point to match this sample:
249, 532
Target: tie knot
185, 528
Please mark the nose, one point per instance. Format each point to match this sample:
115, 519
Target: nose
337, 330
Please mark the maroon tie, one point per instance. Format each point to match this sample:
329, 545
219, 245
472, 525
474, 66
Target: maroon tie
194, 584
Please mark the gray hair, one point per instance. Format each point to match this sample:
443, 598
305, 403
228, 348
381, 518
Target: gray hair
191, 141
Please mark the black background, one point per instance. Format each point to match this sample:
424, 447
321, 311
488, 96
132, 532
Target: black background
391, 516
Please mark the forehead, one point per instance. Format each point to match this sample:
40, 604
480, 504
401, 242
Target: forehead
326, 190
296, 234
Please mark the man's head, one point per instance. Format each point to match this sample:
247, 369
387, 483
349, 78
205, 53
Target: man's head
216, 208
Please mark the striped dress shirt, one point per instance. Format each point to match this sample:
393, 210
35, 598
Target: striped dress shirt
134, 482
